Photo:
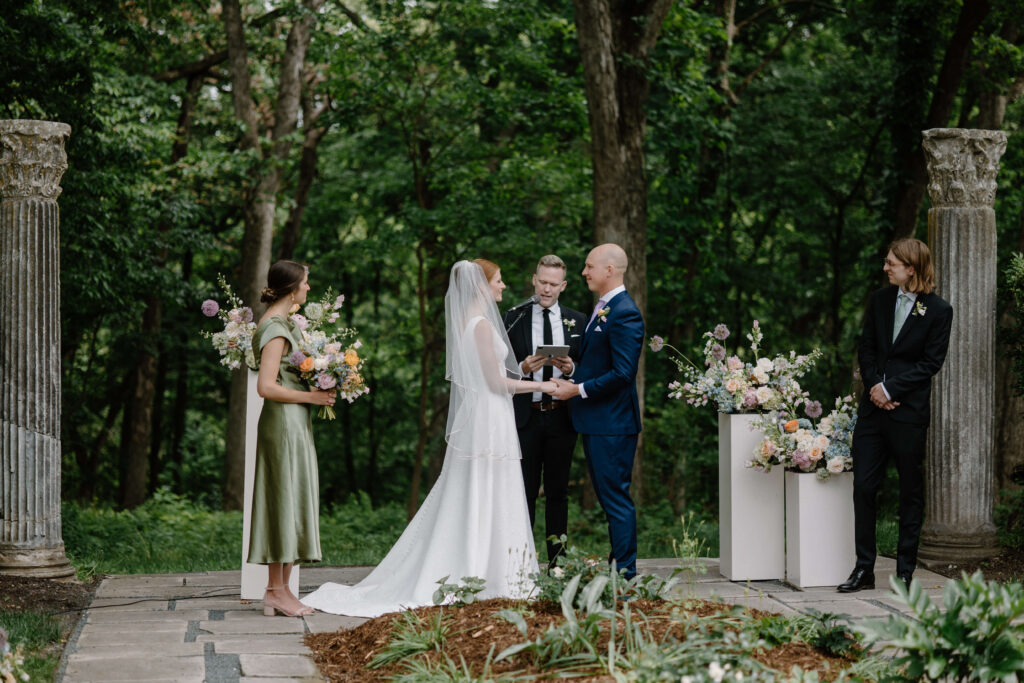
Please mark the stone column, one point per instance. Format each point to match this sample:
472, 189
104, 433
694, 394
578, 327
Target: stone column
32, 161
962, 168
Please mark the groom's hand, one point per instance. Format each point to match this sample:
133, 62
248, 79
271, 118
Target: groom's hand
565, 390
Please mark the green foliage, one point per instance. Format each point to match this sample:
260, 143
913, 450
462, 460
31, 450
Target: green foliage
423, 670
413, 634
462, 593
973, 638
1012, 336
1009, 519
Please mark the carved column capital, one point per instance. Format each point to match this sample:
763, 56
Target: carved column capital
962, 166
32, 158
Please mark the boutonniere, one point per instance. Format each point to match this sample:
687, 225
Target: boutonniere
603, 314
919, 310
569, 323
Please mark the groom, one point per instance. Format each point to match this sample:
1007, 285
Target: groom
605, 408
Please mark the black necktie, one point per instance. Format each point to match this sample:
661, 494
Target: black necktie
548, 340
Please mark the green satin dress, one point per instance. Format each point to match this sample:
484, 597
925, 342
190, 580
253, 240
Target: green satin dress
285, 523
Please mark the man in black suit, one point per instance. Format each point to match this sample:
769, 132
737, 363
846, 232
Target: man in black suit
903, 345
546, 436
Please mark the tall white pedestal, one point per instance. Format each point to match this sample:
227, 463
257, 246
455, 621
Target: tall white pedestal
751, 506
819, 529
254, 576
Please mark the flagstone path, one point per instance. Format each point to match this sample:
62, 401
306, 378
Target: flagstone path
194, 627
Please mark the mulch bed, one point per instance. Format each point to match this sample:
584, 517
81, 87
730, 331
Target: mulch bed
1007, 567
65, 599
475, 633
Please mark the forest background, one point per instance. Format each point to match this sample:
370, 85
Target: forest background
755, 157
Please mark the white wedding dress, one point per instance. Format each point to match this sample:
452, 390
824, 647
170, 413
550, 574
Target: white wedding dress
474, 522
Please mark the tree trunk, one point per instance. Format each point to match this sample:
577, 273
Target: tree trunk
615, 39
908, 203
307, 174
261, 199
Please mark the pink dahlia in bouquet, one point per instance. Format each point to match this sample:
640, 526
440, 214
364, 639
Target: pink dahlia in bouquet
735, 385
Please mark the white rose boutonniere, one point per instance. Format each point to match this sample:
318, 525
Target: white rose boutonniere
603, 314
919, 310
569, 323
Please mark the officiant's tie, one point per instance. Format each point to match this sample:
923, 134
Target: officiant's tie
902, 309
548, 340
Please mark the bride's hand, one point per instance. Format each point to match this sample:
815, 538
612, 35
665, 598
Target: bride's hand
322, 398
548, 387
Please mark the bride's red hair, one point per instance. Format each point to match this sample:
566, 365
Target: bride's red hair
490, 267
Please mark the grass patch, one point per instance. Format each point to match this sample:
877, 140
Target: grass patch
40, 636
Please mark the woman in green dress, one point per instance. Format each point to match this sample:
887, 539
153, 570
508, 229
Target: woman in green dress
286, 494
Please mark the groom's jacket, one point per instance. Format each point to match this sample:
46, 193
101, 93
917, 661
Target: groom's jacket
905, 367
610, 355
521, 338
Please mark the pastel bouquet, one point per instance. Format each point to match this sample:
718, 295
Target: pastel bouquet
234, 342
807, 444
323, 360
733, 385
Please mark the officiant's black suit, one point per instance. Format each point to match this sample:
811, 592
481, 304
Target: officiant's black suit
546, 435
905, 368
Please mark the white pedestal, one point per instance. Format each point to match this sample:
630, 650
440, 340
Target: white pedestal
751, 506
819, 529
254, 576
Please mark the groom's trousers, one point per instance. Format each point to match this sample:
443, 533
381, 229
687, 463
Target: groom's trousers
610, 463
877, 438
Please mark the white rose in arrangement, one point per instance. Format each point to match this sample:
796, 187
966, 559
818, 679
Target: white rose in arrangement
765, 365
232, 329
836, 465
825, 426
760, 375
320, 363
557, 572
765, 395
734, 363
734, 386
821, 442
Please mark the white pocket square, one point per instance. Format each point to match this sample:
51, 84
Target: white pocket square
573, 336
597, 329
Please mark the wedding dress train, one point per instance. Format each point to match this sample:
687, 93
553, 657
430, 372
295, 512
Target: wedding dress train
474, 522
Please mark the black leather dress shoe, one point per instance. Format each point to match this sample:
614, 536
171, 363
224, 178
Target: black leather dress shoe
906, 579
859, 580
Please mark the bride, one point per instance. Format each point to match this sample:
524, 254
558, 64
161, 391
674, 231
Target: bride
474, 522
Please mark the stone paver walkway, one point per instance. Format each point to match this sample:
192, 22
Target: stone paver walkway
194, 627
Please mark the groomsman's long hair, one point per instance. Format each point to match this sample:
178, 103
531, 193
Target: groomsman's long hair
915, 253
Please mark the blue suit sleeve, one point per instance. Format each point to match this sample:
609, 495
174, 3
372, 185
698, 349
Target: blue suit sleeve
627, 343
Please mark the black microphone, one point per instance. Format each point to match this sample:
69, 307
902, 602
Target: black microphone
532, 300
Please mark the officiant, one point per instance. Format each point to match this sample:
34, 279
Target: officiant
546, 435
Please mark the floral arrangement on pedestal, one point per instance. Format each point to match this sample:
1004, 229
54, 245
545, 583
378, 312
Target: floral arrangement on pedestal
734, 385
801, 445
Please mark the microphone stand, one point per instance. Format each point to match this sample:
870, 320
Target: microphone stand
520, 317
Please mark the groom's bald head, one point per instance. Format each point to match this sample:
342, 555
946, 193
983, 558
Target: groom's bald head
605, 267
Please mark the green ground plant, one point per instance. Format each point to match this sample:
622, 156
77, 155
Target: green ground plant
461, 593
974, 637
30, 649
413, 635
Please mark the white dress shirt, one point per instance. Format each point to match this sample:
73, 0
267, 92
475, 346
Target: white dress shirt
557, 338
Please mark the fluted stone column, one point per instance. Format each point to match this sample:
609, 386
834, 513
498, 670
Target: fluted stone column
32, 161
962, 168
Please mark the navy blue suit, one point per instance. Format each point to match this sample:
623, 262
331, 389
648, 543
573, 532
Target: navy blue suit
609, 418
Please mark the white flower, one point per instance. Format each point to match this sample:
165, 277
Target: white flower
232, 329
825, 426
320, 363
821, 442
557, 572
836, 465
314, 311
716, 672
764, 395
760, 375
765, 364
